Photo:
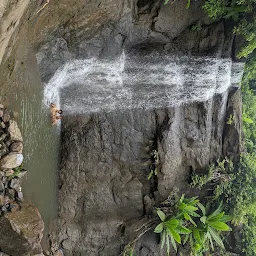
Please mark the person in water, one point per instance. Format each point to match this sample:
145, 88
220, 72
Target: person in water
54, 113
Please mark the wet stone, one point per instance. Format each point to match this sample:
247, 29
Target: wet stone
9, 173
6, 116
15, 184
14, 131
2, 201
16, 146
2, 188
3, 136
11, 161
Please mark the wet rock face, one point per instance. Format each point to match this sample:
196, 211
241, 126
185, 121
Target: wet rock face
21, 231
106, 162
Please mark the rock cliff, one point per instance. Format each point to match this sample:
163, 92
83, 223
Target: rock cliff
106, 157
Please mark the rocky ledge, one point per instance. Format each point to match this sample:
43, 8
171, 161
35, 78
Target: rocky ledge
20, 222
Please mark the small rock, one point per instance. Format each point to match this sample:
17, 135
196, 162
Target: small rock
2, 201
8, 143
3, 136
8, 173
11, 161
16, 146
2, 188
3, 125
14, 131
11, 193
1, 106
6, 116
15, 184
20, 195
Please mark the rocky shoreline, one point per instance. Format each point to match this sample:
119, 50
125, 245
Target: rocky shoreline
20, 221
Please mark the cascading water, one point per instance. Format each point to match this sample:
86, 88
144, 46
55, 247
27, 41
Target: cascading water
148, 81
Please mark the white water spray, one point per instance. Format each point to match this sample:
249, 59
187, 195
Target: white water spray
151, 81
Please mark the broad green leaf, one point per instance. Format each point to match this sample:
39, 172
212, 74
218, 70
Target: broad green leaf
203, 219
173, 223
216, 212
217, 217
202, 208
186, 216
216, 237
197, 236
164, 234
174, 244
226, 218
194, 214
182, 206
183, 230
159, 228
175, 235
219, 225
161, 215
247, 120
191, 208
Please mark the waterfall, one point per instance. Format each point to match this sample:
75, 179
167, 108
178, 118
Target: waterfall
149, 81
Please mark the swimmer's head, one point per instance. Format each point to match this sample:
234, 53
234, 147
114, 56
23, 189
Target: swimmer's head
53, 105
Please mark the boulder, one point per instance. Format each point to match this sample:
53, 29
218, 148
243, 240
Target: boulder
16, 146
11, 161
14, 131
21, 231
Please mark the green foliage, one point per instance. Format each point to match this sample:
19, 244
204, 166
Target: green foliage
203, 231
187, 6
17, 171
219, 173
239, 11
154, 167
208, 230
231, 119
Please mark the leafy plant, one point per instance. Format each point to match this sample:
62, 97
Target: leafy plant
170, 231
154, 167
187, 208
201, 230
231, 119
207, 232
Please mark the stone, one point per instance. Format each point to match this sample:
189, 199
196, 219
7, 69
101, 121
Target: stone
6, 116
1, 106
15, 184
9, 173
2, 200
16, 146
2, 188
11, 161
14, 131
3, 136
21, 231
3, 125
